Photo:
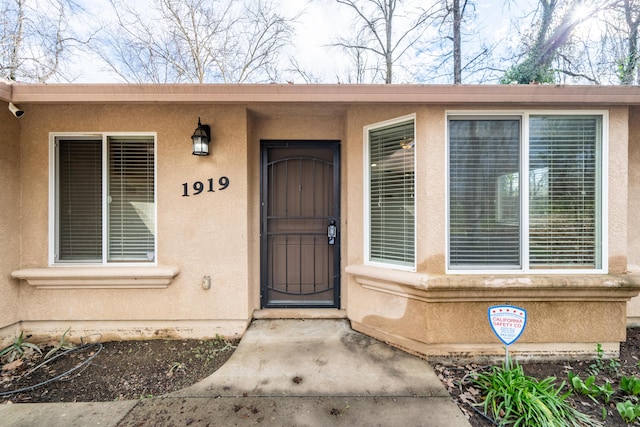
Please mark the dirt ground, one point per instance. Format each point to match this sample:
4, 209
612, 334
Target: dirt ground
145, 369
114, 371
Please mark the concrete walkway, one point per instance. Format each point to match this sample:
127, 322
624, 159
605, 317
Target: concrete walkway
283, 373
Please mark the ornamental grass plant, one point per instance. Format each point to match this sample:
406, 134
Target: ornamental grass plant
513, 398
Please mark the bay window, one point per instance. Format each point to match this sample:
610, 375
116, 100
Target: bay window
104, 193
525, 192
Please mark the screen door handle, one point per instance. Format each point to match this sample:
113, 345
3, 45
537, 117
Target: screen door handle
332, 231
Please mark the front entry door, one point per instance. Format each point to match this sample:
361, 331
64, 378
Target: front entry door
300, 229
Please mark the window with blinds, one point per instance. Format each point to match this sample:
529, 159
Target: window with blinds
131, 199
105, 199
564, 191
391, 159
489, 225
484, 193
79, 200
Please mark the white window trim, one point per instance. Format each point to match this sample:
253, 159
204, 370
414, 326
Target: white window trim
524, 200
367, 200
53, 194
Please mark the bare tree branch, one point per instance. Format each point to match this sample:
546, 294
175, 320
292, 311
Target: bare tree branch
378, 20
36, 39
196, 41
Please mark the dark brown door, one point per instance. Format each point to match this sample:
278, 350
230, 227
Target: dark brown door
300, 230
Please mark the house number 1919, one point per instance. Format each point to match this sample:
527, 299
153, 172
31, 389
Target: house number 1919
199, 186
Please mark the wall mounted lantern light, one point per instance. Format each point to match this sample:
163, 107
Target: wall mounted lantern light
201, 138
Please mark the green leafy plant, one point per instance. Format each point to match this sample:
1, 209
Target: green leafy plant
528, 72
630, 385
598, 364
514, 398
614, 367
629, 411
18, 349
588, 387
62, 345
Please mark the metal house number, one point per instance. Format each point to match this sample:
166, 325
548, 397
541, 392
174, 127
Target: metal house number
211, 186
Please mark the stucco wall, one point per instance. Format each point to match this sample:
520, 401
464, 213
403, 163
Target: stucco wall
618, 188
203, 235
633, 208
634, 189
253, 217
10, 217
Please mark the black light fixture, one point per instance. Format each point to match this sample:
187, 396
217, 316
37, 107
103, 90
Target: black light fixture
201, 138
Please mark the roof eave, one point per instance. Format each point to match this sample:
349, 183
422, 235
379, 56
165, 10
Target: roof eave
334, 93
5, 91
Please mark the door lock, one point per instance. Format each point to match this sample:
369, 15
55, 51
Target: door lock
332, 231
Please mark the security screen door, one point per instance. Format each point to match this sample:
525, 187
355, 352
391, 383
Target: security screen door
300, 227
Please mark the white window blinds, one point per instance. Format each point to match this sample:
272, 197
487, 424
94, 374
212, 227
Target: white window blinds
564, 191
391, 194
484, 193
79, 207
131, 199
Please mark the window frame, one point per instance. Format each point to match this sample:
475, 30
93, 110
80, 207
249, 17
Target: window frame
103, 137
367, 193
601, 189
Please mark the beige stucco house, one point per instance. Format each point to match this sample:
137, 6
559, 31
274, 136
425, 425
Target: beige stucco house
398, 207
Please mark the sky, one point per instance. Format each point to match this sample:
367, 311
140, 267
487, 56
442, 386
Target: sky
318, 26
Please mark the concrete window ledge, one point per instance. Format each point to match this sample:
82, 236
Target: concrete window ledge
461, 288
98, 277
